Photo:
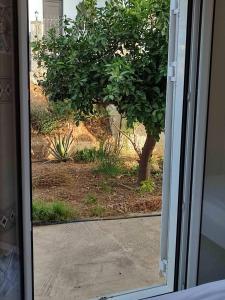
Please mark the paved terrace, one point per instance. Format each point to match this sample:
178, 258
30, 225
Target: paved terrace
82, 261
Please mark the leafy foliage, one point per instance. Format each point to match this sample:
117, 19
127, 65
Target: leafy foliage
115, 54
147, 186
62, 111
61, 146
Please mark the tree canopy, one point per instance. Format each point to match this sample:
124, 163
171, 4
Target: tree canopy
116, 54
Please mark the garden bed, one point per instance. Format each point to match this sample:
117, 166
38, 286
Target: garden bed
90, 194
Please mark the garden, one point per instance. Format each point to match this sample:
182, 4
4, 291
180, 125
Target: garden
98, 111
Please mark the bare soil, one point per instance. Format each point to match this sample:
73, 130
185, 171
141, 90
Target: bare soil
91, 194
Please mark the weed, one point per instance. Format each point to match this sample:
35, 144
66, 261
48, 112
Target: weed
91, 199
97, 211
147, 186
110, 165
52, 211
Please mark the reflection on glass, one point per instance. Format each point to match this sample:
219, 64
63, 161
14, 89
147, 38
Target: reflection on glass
9, 232
212, 249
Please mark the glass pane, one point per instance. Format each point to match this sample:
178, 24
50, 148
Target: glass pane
212, 249
98, 101
10, 265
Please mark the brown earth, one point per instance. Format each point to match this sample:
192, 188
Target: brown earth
92, 194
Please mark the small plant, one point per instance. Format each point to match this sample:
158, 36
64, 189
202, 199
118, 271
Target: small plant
61, 147
86, 155
110, 165
147, 186
97, 211
42, 121
52, 211
91, 199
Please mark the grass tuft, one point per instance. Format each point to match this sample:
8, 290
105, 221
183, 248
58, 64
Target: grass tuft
110, 166
97, 211
52, 211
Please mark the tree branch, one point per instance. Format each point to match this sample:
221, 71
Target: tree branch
136, 148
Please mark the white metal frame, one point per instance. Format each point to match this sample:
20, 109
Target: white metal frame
199, 142
23, 39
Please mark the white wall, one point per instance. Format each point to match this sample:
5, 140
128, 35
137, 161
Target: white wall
35, 5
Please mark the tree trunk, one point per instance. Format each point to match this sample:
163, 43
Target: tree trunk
144, 162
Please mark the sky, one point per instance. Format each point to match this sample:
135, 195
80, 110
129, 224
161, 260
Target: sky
35, 5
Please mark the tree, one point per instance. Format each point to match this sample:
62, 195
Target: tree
117, 55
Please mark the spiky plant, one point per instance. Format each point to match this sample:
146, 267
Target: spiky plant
61, 146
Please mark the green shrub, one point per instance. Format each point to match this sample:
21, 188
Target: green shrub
93, 155
86, 155
62, 146
147, 186
42, 121
52, 211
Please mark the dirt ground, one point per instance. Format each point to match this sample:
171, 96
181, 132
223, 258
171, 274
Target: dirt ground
91, 194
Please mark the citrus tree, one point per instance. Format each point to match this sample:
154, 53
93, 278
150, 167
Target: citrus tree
116, 54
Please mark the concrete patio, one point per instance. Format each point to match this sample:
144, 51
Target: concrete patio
82, 261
